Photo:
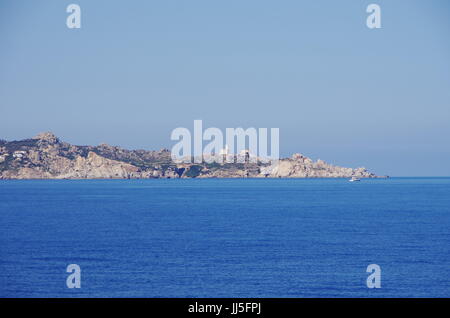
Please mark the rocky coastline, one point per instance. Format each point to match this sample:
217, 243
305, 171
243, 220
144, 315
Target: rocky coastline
47, 157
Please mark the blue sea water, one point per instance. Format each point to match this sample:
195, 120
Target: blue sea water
225, 237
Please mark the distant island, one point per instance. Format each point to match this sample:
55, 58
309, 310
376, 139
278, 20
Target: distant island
47, 157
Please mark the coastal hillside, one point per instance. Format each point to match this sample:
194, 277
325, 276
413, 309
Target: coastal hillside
47, 157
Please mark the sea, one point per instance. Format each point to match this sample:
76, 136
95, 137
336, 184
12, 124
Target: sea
225, 237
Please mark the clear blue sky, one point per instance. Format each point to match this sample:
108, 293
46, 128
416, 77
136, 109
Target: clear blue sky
138, 69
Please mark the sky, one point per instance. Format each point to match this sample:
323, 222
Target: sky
136, 70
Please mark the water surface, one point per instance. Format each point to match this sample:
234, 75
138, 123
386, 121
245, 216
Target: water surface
225, 237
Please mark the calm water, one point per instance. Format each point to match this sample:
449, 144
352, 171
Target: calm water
225, 238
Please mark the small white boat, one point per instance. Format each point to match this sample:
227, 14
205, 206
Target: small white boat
353, 179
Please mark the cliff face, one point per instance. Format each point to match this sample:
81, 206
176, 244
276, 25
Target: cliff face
46, 157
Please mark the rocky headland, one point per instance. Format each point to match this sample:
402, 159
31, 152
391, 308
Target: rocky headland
47, 157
